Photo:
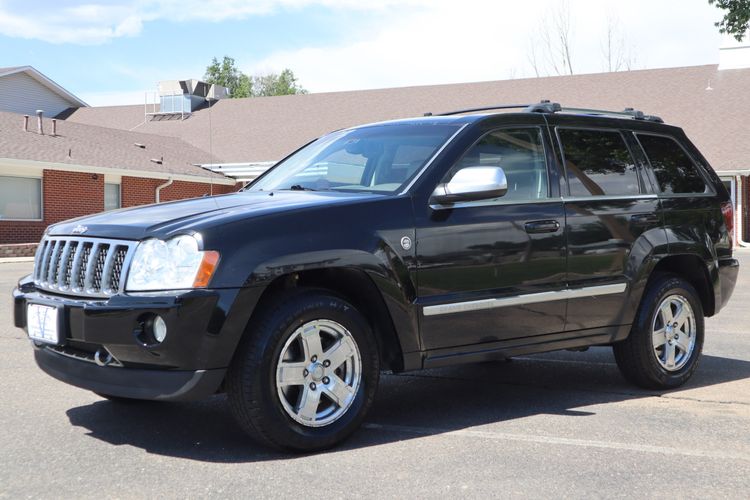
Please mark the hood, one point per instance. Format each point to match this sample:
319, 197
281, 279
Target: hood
163, 219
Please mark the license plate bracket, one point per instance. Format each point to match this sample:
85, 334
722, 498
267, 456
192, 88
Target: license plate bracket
43, 323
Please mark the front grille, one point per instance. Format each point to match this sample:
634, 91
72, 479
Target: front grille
90, 267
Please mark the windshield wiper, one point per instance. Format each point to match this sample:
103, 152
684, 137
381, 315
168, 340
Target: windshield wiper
300, 187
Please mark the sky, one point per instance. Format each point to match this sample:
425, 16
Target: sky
112, 52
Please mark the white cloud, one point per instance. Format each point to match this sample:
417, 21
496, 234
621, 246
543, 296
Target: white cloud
450, 41
94, 23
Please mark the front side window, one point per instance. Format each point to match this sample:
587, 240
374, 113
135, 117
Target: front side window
674, 170
111, 196
379, 159
20, 198
598, 163
520, 153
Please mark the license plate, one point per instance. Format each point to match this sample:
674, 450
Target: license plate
41, 323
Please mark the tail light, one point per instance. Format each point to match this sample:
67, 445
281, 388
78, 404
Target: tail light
727, 210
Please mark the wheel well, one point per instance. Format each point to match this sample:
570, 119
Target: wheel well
356, 287
692, 269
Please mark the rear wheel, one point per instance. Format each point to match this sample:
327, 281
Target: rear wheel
665, 343
305, 374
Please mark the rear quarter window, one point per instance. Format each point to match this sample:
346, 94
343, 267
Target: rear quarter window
675, 171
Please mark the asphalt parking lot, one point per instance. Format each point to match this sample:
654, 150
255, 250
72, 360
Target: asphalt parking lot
560, 424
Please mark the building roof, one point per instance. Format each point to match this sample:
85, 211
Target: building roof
78, 145
701, 99
44, 80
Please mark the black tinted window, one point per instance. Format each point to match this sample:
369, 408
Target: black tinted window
675, 172
520, 153
598, 163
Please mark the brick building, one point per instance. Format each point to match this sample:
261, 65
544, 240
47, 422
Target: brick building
63, 170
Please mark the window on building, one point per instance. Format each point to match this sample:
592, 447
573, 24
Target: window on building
520, 153
675, 171
598, 163
20, 198
111, 196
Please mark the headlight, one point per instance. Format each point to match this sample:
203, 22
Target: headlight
170, 265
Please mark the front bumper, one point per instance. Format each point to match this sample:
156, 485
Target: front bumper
203, 330
165, 385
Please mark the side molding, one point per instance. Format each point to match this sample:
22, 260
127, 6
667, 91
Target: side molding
519, 300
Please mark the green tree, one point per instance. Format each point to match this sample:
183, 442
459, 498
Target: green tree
284, 83
226, 74
736, 19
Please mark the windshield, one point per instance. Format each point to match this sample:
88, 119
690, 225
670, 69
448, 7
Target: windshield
381, 158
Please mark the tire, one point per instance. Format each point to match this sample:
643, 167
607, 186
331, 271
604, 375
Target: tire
277, 372
656, 355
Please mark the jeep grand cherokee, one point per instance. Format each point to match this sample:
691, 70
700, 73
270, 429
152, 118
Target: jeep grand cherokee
401, 245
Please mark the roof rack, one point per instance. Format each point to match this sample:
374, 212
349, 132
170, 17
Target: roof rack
626, 113
540, 107
546, 106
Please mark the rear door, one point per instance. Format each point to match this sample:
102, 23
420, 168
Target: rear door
608, 205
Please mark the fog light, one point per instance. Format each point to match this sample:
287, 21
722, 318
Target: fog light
159, 329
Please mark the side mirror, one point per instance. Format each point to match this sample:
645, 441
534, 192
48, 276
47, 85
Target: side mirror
471, 184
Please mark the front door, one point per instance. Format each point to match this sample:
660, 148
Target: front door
490, 270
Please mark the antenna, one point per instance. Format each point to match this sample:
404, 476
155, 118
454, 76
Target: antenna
210, 138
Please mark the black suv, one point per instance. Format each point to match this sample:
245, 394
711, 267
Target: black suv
403, 245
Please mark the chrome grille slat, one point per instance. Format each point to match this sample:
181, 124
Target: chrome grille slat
82, 266
101, 259
53, 262
62, 268
38, 258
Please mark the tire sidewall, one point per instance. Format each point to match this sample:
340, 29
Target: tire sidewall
666, 287
297, 311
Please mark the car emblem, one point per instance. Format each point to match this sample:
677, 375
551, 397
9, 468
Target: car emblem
79, 229
406, 243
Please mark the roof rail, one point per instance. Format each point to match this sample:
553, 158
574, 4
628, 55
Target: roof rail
626, 113
543, 106
483, 108
546, 106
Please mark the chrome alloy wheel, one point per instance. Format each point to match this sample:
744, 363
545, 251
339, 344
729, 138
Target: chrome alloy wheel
318, 373
673, 332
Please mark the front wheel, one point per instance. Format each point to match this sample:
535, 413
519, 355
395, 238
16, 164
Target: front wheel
306, 372
666, 340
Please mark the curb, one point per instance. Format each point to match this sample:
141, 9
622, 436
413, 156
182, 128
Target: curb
13, 260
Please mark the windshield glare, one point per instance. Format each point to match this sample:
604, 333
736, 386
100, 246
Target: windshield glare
381, 158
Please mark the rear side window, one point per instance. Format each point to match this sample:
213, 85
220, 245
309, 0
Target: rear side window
598, 163
674, 170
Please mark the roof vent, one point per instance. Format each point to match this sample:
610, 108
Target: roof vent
179, 98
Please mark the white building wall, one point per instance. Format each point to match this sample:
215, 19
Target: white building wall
734, 54
20, 93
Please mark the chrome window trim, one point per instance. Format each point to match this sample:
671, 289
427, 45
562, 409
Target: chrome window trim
490, 203
519, 300
564, 199
573, 199
432, 160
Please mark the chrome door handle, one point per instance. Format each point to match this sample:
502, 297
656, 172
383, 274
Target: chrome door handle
542, 226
